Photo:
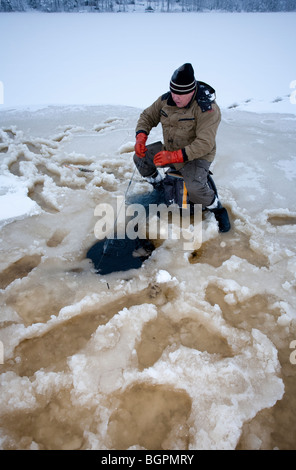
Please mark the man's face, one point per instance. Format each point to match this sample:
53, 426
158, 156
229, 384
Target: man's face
182, 100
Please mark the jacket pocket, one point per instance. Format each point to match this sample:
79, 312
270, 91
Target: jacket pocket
186, 124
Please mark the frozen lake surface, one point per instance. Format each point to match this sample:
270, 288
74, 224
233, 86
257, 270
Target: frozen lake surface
193, 345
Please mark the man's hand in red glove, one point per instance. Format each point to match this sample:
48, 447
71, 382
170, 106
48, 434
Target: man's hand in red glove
166, 158
140, 147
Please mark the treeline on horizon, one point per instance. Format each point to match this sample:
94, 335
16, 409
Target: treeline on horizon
147, 5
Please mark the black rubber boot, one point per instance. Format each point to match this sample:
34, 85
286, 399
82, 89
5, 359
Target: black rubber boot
221, 215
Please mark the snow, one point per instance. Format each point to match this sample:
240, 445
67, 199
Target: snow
14, 200
199, 342
110, 58
163, 276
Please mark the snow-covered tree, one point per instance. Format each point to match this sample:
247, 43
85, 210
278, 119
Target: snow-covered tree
151, 5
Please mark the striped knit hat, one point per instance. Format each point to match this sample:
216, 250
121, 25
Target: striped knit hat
183, 81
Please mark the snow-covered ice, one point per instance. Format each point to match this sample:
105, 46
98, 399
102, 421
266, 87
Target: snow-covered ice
192, 350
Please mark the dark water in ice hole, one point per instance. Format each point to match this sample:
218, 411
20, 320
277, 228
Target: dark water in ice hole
117, 254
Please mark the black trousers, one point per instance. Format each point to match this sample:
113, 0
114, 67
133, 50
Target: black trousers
194, 172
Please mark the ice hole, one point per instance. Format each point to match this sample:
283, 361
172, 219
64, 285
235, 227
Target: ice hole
146, 415
114, 255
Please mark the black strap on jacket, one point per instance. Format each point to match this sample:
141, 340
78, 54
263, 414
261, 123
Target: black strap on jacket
205, 96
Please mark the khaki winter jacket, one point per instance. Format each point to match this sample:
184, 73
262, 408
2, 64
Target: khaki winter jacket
192, 129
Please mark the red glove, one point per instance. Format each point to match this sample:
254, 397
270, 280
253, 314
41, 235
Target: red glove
166, 158
140, 147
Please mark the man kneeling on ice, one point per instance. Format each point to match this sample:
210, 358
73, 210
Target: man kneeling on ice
190, 118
